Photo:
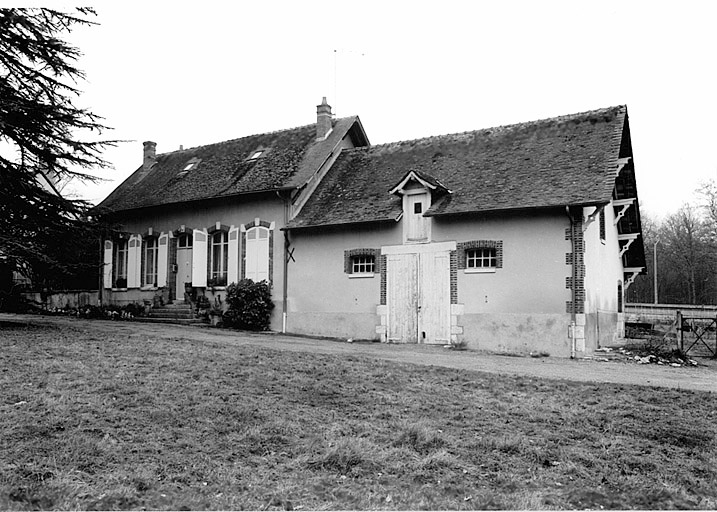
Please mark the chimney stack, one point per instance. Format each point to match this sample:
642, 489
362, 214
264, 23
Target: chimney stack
323, 119
150, 155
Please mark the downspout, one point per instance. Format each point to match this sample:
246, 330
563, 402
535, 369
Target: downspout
574, 280
285, 283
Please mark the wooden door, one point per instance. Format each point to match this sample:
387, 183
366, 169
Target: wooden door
402, 297
184, 269
418, 297
434, 319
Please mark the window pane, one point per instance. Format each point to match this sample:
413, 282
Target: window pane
481, 258
363, 264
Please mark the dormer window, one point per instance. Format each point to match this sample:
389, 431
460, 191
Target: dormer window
417, 192
191, 164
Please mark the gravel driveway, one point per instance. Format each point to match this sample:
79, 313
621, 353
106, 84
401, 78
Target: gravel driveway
700, 378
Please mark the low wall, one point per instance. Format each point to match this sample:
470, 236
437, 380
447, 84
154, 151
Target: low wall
66, 299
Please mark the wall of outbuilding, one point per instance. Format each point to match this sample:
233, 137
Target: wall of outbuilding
519, 308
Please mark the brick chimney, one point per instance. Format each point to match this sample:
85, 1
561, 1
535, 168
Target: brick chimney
150, 155
323, 119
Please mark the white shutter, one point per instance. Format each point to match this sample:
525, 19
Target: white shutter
107, 270
233, 260
134, 261
257, 254
162, 255
199, 258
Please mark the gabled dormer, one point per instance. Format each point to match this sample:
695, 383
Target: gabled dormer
417, 192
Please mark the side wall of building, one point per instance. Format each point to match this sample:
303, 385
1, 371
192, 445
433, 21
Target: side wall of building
603, 275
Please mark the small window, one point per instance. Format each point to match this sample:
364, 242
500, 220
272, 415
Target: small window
418, 208
481, 258
256, 154
184, 242
363, 264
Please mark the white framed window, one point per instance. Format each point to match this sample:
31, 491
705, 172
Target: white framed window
119, 264
363, 264
256, 262
218, 258
150, 252
481, 259
184, 241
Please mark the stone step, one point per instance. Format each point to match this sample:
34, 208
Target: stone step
179, 321
170, 314
172, 311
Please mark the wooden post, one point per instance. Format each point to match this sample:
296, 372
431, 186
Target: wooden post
678, 321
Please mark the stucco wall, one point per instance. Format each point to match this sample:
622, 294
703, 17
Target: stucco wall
323, 299
229, 212
519, 308
603, 270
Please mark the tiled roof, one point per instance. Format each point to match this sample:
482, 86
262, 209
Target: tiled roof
568, 160
289, 159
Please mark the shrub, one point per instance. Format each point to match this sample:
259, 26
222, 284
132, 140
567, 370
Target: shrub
249, 305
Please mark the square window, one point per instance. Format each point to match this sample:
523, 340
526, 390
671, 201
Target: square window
363, 264
483, 257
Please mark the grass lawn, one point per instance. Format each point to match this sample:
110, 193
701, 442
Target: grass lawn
91, 421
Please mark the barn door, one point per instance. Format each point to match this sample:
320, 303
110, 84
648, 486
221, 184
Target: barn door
434, 319
418, 297
402, 297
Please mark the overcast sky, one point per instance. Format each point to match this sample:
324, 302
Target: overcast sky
203, 72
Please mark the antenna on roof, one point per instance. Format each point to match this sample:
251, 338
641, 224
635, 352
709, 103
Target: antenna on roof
351, 69
335, 80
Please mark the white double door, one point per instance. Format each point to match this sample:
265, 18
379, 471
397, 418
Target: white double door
418, 297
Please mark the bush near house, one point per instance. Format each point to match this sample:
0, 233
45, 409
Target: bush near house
250, 305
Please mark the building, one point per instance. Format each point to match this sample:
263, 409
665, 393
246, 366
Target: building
198, 219
519, 238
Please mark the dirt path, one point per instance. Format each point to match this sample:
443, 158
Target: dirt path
701, 378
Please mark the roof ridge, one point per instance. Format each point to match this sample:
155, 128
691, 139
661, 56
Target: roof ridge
273, 132
503, 127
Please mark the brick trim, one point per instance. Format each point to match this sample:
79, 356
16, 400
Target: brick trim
350, 253
463, 247
454, 276
382, 259
576, 260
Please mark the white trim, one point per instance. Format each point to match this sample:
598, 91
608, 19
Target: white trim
483, 270
107, 269
419, 248
162, 259
361, 275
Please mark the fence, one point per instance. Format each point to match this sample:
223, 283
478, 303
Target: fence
686, 327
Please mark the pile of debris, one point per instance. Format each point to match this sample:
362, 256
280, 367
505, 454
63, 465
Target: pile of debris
649, 354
